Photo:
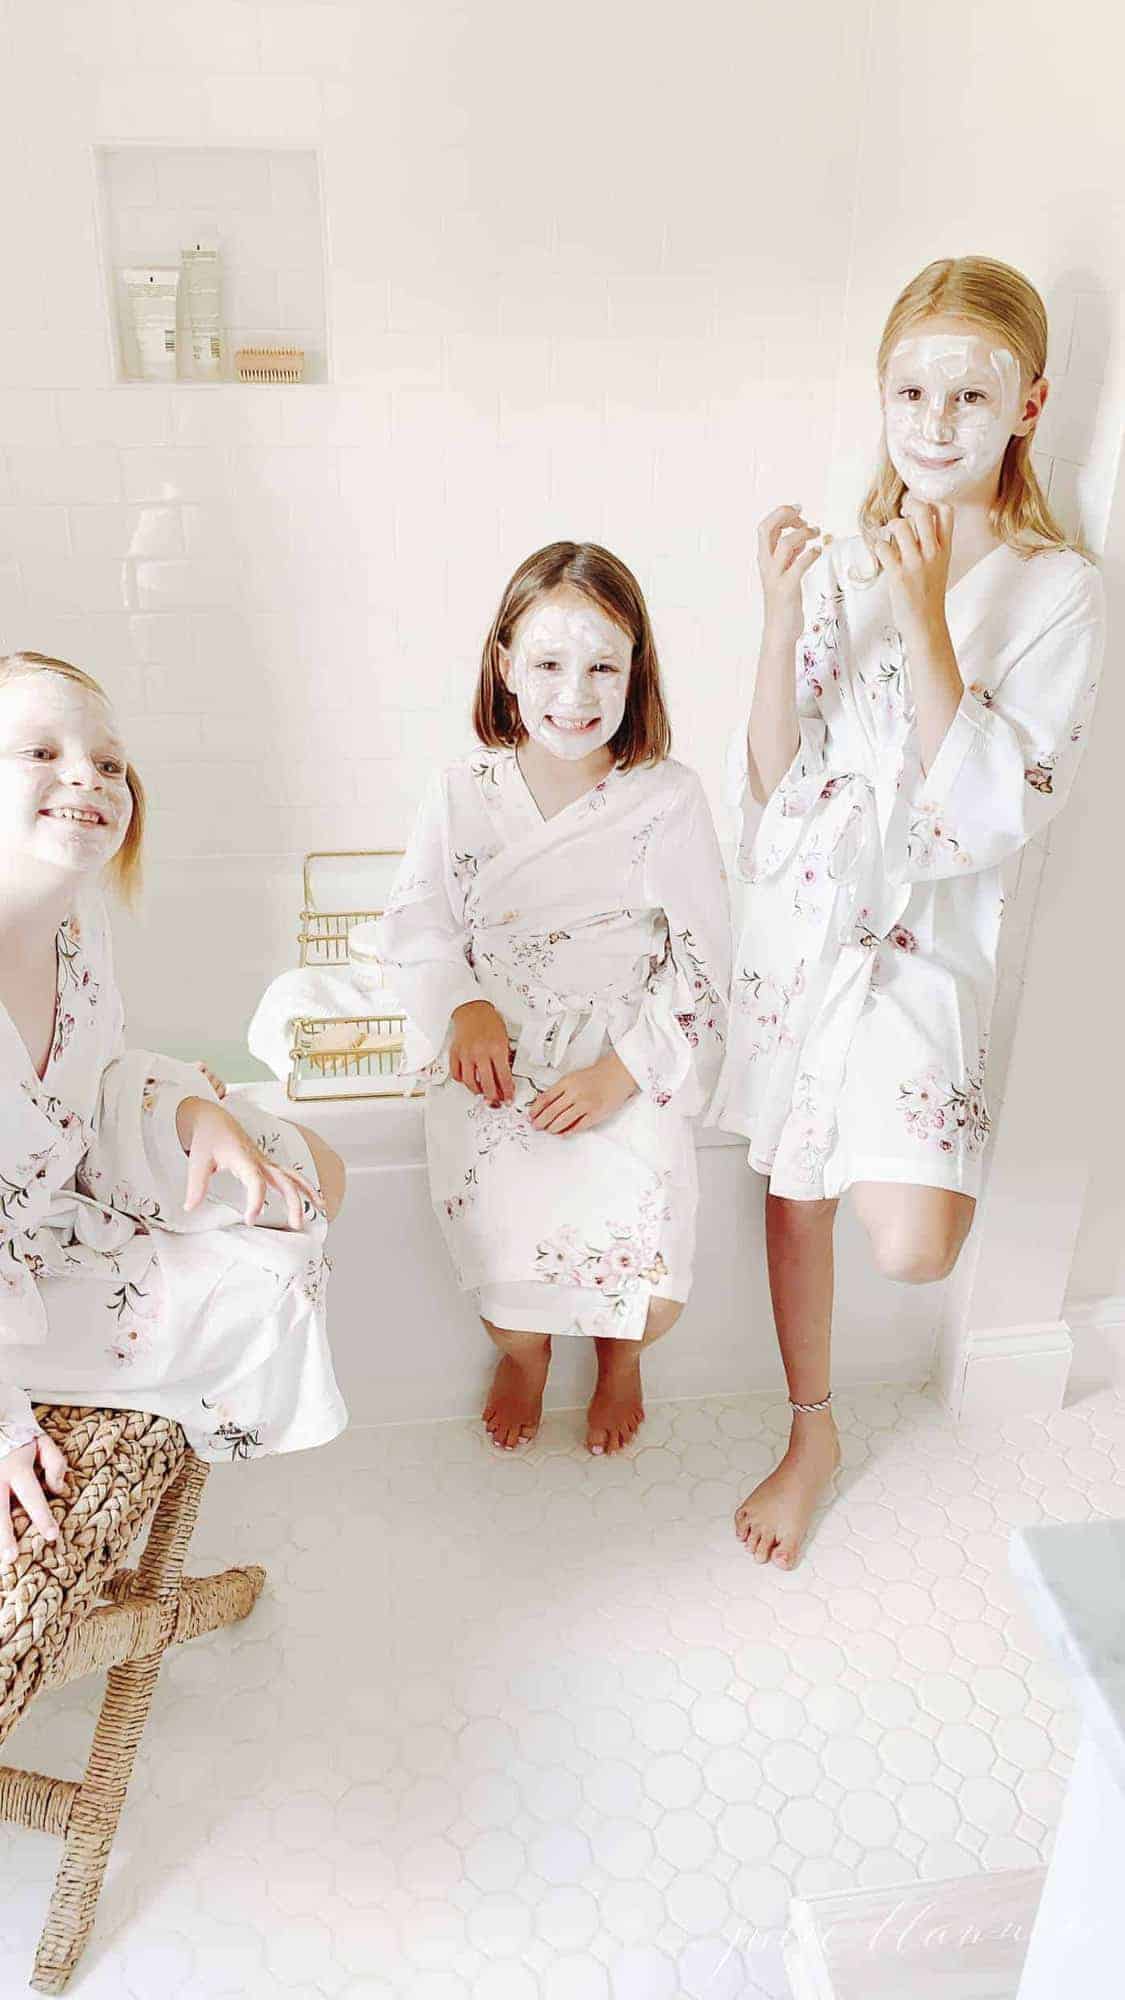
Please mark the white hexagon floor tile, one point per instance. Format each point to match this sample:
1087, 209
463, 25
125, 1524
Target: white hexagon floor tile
537, 1728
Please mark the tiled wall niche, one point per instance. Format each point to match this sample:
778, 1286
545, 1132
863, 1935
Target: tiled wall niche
260, 207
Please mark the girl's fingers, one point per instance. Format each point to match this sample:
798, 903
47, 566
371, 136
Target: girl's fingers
580, 1125
55, 1468
312, 1194
33, 1500
502, 1065
285, 1186
201, 1166
255, 1184
794, 545
7, 1532
771, 524
560, 1117
887, 551
902, 534
545, 1099
924, 524
805, 558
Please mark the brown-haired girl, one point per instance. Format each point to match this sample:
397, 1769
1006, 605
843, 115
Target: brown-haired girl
919, 713
123, 1281
559, 938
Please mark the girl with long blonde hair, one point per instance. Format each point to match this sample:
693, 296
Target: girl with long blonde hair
157, 1251
919, 712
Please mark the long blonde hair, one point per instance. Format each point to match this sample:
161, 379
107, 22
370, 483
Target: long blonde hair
1006, 304
125, 868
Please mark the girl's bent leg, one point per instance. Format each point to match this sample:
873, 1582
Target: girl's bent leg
773, 1520
617, 1407
515, 1401
916, 1233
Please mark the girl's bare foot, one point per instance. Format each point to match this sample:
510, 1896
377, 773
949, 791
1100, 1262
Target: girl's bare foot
773, 1520
617, 1407
515, 1400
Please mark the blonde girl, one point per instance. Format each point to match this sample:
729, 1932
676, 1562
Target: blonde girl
129, 1275
922, 696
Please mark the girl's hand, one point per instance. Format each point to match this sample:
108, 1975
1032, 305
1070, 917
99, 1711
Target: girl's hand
787, 547
27, 1475
913, 554
585, 1098
216, 1143
480, 1054
216, 1082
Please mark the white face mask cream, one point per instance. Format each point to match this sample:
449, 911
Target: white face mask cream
151, 295
951, 402
568, 668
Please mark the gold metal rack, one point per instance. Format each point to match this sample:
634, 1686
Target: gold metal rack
346, 1056
328, 1056
323, 934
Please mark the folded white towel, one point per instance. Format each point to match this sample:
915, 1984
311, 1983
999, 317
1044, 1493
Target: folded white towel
316, 992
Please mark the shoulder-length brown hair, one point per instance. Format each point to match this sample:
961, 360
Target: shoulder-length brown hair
645, 734
125, 868
1005, 304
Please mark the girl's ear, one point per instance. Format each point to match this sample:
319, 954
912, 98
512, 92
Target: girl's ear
1032, 407
505, 660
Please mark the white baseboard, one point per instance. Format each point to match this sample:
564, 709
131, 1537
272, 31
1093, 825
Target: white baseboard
1013, 1371
1098, 1326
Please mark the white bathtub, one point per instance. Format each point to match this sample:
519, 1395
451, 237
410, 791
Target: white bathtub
409, 1346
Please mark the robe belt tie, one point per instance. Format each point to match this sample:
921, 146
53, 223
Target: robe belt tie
575, 1035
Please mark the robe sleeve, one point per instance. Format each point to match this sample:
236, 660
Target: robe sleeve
800, 786
421, 940
674, 1047
1009, 756
136, 1162
41, 1143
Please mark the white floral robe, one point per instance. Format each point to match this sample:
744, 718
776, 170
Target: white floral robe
110, 1293
604, 926
865, 976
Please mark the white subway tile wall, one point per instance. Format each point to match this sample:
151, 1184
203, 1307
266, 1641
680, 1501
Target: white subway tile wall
624, 285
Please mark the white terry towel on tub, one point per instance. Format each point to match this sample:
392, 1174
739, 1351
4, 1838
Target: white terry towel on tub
310, 992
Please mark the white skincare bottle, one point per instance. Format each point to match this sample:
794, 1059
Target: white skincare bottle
150, 291
202, 292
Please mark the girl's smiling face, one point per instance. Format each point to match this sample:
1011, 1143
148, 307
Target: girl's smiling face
568, 667
951, 401
65, 804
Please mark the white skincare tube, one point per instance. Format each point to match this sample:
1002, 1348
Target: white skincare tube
202, 283
150, 291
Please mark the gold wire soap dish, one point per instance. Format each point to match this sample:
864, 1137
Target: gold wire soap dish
350, 1055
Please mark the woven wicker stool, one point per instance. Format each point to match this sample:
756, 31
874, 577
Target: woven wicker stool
67, 1609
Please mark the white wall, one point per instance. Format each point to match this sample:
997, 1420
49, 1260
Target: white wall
567, 295
612, 271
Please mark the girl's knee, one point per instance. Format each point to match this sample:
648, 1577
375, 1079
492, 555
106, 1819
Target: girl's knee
912, 1259
521, 1346
662, 1317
